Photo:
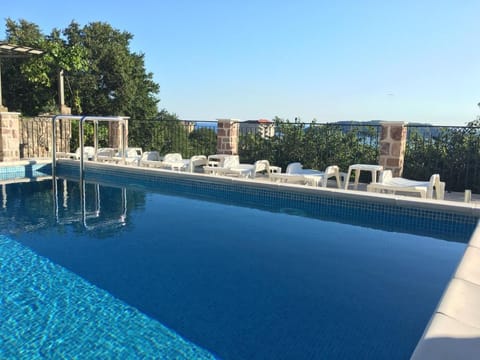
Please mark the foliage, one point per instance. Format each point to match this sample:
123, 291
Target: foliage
116, 83
102, 76
19, 94
88, 134
202, 141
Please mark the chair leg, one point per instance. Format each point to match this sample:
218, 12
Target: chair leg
339, 183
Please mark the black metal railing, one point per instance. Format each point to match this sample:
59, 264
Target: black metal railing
314, 145
186, 137
451, 151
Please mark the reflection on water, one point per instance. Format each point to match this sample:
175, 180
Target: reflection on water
42, 204
90, 214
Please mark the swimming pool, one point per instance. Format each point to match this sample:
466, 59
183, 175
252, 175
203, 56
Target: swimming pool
174, 268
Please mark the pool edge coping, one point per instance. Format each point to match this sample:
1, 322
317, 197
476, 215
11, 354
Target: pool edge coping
454, 327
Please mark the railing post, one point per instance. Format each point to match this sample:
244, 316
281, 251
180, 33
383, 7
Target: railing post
227, 136
393, 141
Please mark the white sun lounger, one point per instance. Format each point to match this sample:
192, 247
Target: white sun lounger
173, 161
132, 156
88, 153
425, 189
150, 159
248, 170
220, 163
106, 154
295, 173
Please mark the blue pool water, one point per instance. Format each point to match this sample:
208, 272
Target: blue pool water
153, 274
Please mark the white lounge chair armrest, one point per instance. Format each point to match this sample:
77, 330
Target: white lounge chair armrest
197, 160
294, 168
332, 170
385, 176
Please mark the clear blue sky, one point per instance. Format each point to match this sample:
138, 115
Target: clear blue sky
409, 60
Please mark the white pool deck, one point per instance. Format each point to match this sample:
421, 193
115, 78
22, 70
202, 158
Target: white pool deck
453, 331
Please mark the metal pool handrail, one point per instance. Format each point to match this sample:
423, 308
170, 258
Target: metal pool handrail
122, 119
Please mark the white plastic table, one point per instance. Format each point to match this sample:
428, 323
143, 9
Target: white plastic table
358, 168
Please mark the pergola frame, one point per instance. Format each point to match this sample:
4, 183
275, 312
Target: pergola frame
13, 51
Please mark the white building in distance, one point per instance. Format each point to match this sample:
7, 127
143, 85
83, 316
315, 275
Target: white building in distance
264, 127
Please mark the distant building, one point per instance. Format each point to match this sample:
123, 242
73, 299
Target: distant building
189, 125
265, 128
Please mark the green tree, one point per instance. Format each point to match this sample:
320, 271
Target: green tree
103, 77
116, 82
19, 92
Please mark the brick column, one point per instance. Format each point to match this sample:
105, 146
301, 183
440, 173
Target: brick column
392, 146
9, 136
227, 136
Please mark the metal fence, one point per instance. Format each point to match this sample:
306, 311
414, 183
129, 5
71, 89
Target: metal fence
451, 151
314, 145
186, 137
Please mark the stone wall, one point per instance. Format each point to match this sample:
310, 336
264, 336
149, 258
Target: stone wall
9, 136
36, 137
393, 141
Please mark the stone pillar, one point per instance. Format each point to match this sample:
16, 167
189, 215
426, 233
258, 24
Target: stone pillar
227, 136
393, 141
9, 136
64, 109
115, 134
